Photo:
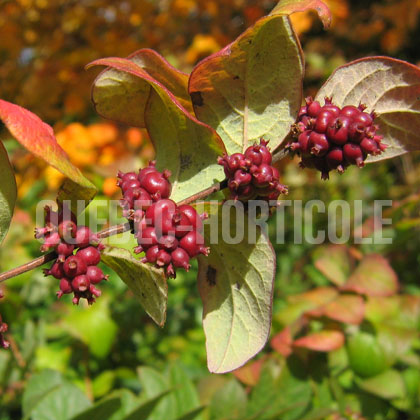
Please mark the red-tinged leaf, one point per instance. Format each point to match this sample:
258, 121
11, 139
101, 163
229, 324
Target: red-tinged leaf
316, 297
7, 192
250, 373
321, 341
251, 88
184, 145
387, 86
349, 309
282, 342
334, 262
38, 138
123, 98
287, 7
373, 277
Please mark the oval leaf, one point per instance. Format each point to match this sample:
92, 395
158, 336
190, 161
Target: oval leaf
349, 309
253, 87
184, 145
123, 98
333, 261
147, 283
7, 192
38, 138
287, 7
387, 86
373, 277
236, 286
321, 341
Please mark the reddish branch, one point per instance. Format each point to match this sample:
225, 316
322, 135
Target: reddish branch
105, 233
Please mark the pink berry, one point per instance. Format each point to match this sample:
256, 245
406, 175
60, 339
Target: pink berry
64, 250
180, 258
84, 237
163, 258
160, 215
90, 255
151, 254
74, 266
338, 131
51, 242
262, 175
350, 111
95, 274
80, 283
193, 244
318, 144
130, 185
65, 287
156, 185
67, 229
334, 157
323, 120
370, 146
56, 270
353, 154
147, 237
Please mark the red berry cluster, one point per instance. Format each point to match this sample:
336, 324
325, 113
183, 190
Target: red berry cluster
78, 252
168, 234
251, 176
3, 328
327, 137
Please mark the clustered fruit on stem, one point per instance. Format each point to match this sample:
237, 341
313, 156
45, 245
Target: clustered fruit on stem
3, 328
251, 176
170, 235
327, 137
78, 251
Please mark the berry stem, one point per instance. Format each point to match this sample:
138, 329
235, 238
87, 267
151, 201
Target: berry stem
105, 233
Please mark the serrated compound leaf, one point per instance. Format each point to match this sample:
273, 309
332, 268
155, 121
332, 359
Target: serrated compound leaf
287, 7
38, 138
326, 340
184, 145
123, 97
388, 385
349, 309
252, 88
7, 192
334, 262
387, 86
147, 283
373, 277
236, 286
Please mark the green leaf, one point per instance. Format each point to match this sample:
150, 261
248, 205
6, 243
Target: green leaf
121, 97
94, 327
147, 283
101, 410
333, 262
184, 392
387, 86
287, 7
143, 411
7, 192
37, 387
388, 385
253, 87
184, 145
236, 286
373, 277
229, 402
192, 415
63, 402
38, 138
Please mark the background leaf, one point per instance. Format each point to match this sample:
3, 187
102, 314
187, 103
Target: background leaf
321, 341
387, 86
236, 286
38, 138
7, 192
147, 283
253, 87
184, 145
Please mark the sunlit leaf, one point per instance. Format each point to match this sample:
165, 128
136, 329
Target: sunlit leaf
349, 309
253, 87
147, 283
373, 276
334, 263
236, 284
321, 341
184, 145
38, 138
389, 385
7, 192
387, 86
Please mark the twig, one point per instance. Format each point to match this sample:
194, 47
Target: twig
105, 233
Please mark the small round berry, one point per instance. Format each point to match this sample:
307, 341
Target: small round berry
151, 254
370, 146
338, 131
323, 120
350, 111
130, 185
193, 244
84, 237
314, 108
318, 144
147, 237
80, 283
95, 274
149, 169
168, 242
90, 255
65, 287
156, 185
335, 110
74, 266
353, 154
262, 175
67, 229
180, 258
363, 118
64, 250
303, 140
56, 270
125, 177
163, 258
335, 157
